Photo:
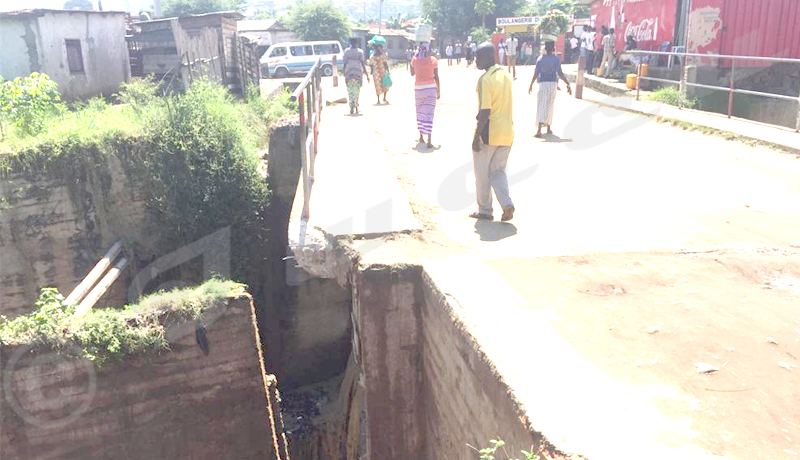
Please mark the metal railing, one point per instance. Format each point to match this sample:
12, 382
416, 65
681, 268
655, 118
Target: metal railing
731, 89
309, 105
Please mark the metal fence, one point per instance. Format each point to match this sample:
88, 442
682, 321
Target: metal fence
309, 104
731, 89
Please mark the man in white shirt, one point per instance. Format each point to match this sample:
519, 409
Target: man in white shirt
588, 39
511, 55
573, 48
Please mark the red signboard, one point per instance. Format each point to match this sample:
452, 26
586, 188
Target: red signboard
650, 22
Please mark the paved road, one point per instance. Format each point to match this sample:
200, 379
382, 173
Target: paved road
637, 250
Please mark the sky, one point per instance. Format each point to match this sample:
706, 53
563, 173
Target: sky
112, 5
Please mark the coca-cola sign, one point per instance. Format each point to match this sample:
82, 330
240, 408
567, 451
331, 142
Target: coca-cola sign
645, 31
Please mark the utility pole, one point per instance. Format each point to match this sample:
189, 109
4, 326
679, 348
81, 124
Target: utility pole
380, 17
157, 8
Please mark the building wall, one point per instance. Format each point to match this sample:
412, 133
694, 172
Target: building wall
105, 52
20, 49
651, 22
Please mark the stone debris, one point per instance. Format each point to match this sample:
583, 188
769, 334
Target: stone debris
771, 340
705, 368
786, 366
653, 329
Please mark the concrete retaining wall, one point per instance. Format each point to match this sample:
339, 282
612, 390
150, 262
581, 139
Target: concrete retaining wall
55, 227
181, 404
430, 390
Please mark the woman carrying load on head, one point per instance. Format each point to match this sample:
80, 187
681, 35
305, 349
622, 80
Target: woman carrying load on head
380, 66
354, 70
425, 69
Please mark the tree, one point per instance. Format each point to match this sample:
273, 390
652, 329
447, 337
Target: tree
484, 7
261, 14
173, 8
318, 20
85, 5
480, 35
450, 19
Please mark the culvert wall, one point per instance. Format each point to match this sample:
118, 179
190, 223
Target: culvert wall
429, 389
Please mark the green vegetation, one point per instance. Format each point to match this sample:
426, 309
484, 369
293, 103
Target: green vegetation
480, 35
104, 335
672, 96
195, 154
484, 7
555, 22
173, 8
26, 104
488, 453
542, 7
319, 20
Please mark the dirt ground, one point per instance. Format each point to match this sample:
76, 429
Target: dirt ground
638, 252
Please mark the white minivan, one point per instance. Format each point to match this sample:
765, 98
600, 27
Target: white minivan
284, 59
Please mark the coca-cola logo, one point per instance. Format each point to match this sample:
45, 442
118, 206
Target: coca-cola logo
645, 31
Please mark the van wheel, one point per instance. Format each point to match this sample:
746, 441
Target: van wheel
327, 70
281, 73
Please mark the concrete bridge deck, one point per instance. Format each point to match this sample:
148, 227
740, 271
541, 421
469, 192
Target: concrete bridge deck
637, 251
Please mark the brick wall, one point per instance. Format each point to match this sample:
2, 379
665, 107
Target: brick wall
181, 404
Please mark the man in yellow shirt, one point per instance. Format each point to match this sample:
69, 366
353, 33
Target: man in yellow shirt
493, 136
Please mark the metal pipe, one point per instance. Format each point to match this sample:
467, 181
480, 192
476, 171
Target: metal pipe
638, 79
296, 93
720, 56
732, 89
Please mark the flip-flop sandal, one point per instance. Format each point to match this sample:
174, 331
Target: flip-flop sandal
479, 216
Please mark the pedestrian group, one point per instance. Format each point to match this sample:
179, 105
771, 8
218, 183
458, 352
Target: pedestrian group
494, 133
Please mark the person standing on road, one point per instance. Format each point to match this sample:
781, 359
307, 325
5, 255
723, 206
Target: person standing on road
609, 53
459, 52
354, 70
427, 90
522, 54
379, 65
409, 56
501, 52
473, 48
512, 45
449, 53
493, 137
573, 49
589, 37
548, 71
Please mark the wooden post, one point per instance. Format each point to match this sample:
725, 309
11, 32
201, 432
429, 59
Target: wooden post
730, 92
80, 291
579, 78
335, 72
638, 79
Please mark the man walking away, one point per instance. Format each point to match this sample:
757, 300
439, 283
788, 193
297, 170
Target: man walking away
473, 48
511, 55
589, 37
449, 53
459, 52
493, 137
609, 53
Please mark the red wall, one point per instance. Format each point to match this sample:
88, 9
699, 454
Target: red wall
651, 22
745, 28
761, 28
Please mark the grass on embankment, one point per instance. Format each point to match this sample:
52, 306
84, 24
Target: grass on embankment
107, 334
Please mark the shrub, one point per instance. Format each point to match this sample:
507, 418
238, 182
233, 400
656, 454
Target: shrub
480, 35
103, 334
672, 96
28, 103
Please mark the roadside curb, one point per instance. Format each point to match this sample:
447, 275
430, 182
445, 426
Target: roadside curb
706, 129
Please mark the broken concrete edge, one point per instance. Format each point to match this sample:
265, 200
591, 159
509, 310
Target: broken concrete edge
705, 129
324, 255
335, 259
452, 307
